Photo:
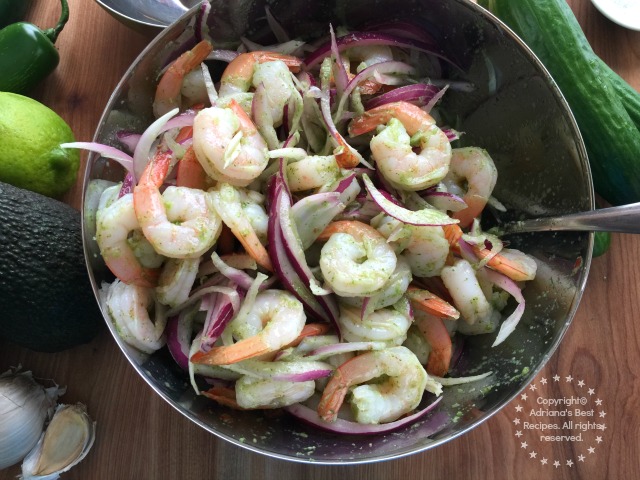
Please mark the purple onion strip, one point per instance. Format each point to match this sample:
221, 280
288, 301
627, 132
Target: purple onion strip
310, 416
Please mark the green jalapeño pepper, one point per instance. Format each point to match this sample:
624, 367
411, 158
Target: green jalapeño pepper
28, 54
12, 11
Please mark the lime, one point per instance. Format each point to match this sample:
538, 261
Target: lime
30, 153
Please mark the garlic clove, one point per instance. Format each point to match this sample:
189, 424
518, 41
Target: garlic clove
66, 441
25, 406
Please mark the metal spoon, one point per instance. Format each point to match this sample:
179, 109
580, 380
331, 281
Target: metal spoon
625, 219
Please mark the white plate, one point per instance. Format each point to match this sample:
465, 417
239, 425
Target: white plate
623, 12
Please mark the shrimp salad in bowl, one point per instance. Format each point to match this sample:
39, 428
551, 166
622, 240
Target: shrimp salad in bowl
303, 232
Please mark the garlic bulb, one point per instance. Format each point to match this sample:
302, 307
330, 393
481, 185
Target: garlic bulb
66, 441
25, 405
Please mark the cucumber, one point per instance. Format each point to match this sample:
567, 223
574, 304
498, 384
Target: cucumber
47, 303
607, 111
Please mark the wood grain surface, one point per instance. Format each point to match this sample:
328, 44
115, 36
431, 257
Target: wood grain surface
140, 436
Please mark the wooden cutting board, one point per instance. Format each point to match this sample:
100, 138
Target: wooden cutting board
140, 436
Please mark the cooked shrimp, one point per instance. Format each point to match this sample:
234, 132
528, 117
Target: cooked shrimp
238, 76
427, 251
367, 56
254, 392
178, 223
127, 306
356, 261
397, 394
283, 318
168, 90
176, 280
274, 89
390, 293
516, 265
190, 173
437, 336
383, 325
114, 222
228, 145
474, 168
312, 172
468, 296
227, 201
392, 149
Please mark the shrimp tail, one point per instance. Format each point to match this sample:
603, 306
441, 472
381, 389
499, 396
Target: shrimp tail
436, 334
224, 396
428, 302
333, 396
244, 349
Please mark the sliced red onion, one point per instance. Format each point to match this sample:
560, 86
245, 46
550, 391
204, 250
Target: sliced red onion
337, 348
377, 70
310, 416
201, 27
453, 135
340, 142
402, 29
105, 151
341, 78
289, 371
424, 217
312, 214
218, 317
432, 102
128, 139
127, 185
419, 94
243, 279
223, 55
444, 200
280, 33
297, 258
143, 148
363, 39
178, 332
509, 286
212, 93
348, 188
281, 263
450, 382
183, 120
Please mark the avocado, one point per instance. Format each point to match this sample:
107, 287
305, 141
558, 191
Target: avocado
46, 300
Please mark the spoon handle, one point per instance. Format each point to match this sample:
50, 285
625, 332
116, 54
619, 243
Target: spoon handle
625, 219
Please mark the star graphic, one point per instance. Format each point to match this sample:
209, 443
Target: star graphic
543, 381
581, 458
598, 439
524, 445
569, 463
569, 378
556, 378
516, 421
556, 464
581, 383
532, 454
598, 402
543, 461
518, 433
602, 414
518, 408
591, 450
532, 387
524, 396
591, 391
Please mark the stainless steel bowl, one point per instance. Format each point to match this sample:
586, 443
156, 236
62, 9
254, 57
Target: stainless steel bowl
146, 15
516, 112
